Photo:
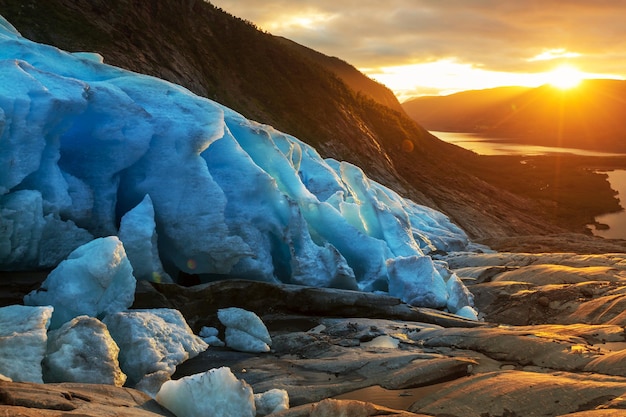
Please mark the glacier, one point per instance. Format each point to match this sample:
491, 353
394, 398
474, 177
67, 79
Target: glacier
189, 186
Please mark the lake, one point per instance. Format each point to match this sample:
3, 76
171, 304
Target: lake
490, 146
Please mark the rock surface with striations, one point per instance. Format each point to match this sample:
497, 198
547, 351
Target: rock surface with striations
328, 344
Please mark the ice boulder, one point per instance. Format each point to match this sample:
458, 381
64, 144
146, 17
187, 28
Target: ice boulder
209, 335
416, 281
139, 236
271, 401
215, 393
152, 342
96, 279
82, 350
23, 341
459, 295
245, 331
467, 312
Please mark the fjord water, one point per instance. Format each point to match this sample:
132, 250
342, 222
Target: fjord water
493, 146
616, 222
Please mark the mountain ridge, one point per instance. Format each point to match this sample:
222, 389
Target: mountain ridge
589, 116
355, 79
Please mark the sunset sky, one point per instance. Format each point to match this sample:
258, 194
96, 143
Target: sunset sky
424, 47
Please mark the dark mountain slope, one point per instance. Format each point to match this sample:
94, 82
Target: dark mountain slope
590, 116
267, 79
460, 110
355, 79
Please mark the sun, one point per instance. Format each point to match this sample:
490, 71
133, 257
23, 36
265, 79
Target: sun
565, 77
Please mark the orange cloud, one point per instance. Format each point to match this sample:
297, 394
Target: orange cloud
495, 36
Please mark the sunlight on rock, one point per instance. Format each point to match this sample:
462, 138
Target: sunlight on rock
384, 341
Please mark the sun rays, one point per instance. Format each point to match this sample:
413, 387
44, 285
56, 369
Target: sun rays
565, 77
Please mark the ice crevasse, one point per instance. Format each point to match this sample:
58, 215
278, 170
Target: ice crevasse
85, 145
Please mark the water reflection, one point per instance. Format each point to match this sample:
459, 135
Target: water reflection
491, 146
615, 221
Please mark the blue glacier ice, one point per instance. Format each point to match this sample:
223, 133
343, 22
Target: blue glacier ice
82, 144
95, 280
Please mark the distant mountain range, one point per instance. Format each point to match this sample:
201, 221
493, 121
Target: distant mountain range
322, 100
590, 116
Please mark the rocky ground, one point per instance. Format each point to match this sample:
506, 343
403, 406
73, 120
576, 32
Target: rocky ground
552, 343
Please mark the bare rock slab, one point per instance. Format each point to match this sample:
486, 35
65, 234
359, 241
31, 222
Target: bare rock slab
67, 399
199, 304
347, 408
518, 393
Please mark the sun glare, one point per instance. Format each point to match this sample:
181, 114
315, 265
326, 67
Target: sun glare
564, 77
451, 76
287, 24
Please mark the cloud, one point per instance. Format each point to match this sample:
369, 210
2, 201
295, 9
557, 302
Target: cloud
493, 35
482, 31
552, 54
